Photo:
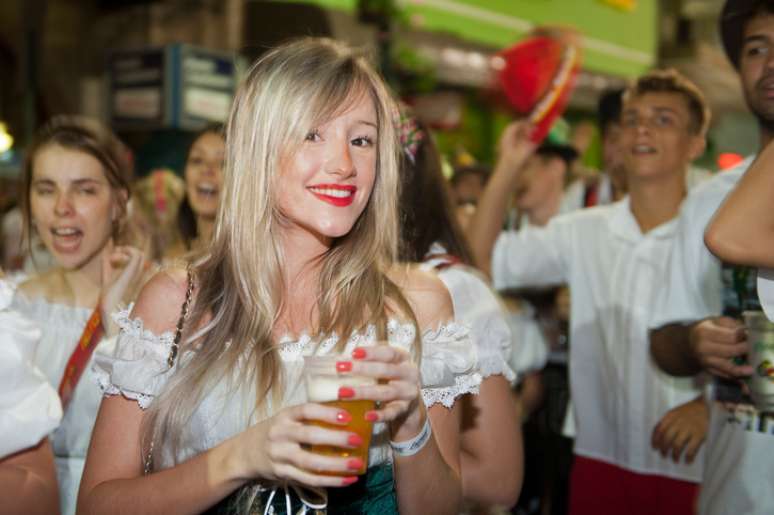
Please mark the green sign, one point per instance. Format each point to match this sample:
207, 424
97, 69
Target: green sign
616, 40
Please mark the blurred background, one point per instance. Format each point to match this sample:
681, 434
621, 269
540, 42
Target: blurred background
155, 70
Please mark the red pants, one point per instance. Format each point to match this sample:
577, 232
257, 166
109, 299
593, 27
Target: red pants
598, 488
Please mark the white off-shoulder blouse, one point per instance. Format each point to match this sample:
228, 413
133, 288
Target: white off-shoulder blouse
137, 369
477, 306
61, 327
29, 405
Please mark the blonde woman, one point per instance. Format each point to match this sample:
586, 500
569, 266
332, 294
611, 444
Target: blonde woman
75, 191
301, 263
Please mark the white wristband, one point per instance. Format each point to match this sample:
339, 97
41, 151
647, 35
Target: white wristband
413, 446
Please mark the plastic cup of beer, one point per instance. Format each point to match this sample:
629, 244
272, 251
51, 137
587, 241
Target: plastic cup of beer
760, 337
322, 387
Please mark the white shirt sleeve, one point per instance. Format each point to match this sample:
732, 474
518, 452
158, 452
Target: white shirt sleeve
29, 405
693, 288
766, 291
534, 256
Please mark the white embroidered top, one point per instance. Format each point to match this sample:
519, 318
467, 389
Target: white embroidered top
477, 306
138, 369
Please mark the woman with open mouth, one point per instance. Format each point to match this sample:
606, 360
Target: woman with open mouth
75, 191
203, 182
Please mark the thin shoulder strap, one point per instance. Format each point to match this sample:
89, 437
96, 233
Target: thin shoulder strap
148, 461
181, 321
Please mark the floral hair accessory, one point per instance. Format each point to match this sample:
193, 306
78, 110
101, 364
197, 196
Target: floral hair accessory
411, 135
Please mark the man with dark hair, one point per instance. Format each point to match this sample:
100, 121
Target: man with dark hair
467, 183
613, 257
539, 189
689, 335
612, 185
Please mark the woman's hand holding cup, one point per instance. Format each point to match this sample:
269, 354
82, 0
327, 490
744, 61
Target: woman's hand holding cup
280, 448
397, 389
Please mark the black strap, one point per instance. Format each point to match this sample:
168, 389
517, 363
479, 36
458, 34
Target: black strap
181, 321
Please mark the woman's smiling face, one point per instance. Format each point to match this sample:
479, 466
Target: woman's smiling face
325, 185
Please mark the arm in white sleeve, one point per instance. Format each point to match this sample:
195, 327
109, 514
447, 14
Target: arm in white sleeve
535, 256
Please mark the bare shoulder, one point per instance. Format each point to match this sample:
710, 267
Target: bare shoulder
426, 294
161, 298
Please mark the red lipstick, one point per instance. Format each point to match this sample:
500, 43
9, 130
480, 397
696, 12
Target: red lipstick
339, 195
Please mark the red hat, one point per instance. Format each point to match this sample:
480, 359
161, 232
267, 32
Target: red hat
538, 74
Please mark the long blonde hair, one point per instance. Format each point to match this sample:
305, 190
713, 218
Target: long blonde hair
285, 94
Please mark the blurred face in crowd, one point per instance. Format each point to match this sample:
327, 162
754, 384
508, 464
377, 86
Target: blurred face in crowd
612, 155
540, 181
325, 185
657, 137
203, 174
756, 67
468, 189
73, 206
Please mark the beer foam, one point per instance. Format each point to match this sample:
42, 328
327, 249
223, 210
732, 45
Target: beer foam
325, 388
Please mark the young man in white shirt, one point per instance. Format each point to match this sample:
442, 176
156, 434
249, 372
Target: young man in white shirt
689, 334
613, 259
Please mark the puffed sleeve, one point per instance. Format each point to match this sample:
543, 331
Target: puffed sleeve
477, 306
449, 365
29, 405
136, 367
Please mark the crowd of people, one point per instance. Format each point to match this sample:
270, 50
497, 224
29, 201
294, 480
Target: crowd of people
526, 339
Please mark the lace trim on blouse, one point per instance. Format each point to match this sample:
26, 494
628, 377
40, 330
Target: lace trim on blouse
138, 369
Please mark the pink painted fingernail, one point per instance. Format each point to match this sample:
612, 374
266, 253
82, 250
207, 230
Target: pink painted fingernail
345, 392
371, 416
359, 353
343, 366
354, 464
343, 417
346, 481
354, 440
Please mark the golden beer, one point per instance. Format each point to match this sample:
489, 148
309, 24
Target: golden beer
322, 386
358, 425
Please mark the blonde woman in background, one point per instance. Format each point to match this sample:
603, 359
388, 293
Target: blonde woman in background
302, 262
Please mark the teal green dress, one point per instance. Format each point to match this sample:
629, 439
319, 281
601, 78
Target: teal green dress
373, 494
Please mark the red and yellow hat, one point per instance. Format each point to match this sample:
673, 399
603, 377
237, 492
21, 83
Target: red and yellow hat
538, 75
